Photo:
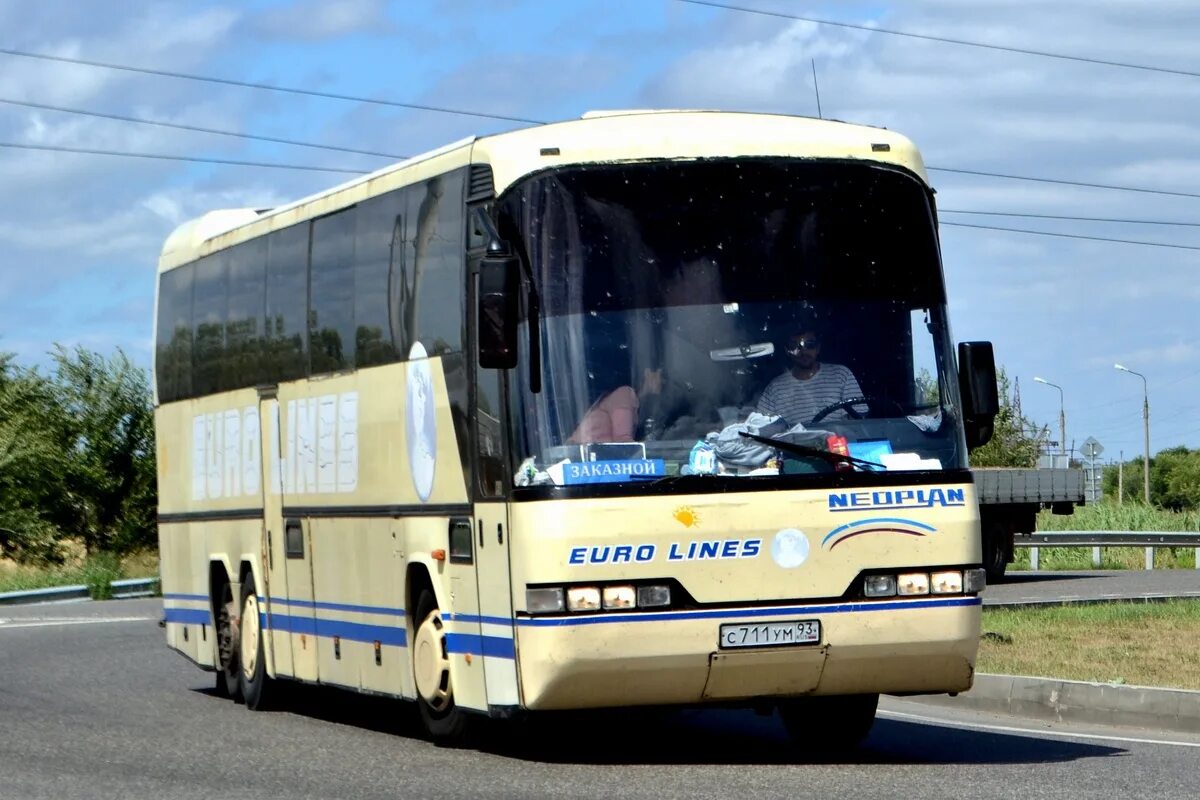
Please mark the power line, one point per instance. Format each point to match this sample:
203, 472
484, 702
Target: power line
1071, 236
948, 40
507, 118
269, 87
164, 157
1063, 182
271, 165
195, 128
1073, 219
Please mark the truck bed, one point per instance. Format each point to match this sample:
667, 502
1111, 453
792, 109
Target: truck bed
997, 486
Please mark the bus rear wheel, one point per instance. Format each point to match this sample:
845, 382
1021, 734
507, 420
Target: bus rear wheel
255, 684
828, 725
228, 631
445, 721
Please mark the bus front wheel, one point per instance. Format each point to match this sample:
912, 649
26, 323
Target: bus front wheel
445, 721
829, 724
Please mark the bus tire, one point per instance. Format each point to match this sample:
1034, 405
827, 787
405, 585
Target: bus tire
228, 633
828, 725
445, 722
256, 685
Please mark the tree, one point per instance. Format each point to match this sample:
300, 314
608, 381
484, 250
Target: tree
1012, 444
1174, 479
31, 460
107, 427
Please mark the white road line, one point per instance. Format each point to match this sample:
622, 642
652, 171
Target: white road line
1035, 731
11, 624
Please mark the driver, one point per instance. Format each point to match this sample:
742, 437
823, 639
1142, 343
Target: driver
808, 386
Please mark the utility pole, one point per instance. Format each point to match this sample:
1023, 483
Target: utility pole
1121, 479
1062, 415
1145, 429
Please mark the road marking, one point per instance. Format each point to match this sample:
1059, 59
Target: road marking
11, 624
1035, 731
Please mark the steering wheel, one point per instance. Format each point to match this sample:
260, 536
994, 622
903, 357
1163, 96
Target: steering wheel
847, 405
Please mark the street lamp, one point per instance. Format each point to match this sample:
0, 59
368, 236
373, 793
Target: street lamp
1145, 428
1062, 415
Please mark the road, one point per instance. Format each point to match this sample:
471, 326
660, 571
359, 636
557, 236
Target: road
94, 705
1036, 587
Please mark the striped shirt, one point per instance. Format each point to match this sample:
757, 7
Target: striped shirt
798, 401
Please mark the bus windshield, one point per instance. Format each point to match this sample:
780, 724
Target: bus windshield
747, 318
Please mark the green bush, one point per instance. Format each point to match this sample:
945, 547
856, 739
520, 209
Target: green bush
99, 571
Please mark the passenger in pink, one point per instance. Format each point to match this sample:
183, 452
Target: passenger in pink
614, 417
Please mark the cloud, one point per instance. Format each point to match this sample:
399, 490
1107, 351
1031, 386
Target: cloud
322, 20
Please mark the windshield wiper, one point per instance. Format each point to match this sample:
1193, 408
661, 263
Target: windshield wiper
804, 450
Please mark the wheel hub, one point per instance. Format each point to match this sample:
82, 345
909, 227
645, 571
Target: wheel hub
249, 636
431, 663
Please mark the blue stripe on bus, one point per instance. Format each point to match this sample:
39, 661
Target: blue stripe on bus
187, 616
478, 619
194, 598
494, 646
313, 604
744, 613
328, 628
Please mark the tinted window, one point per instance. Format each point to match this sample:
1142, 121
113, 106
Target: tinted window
379, 233
209, 307
331, 319
173, 360
285, 351
436, 208
244, 319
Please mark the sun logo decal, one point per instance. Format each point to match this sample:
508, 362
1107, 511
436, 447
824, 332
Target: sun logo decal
686, 516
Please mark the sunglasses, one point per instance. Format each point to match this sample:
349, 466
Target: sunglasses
804, 344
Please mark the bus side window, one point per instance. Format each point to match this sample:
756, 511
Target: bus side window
489, 433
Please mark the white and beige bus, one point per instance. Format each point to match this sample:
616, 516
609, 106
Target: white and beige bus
490, 429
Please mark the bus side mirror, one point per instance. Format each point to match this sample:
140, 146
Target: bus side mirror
499, 293
980, 399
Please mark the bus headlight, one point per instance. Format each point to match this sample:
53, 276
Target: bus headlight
583, 598
879, 585
543, 601
910, 583
653, 596
619, 597
948, 582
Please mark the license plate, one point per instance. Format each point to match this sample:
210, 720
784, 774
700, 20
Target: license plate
771, 634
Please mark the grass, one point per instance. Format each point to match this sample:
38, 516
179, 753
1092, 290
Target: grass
96, 572
1111, 517
1143, 644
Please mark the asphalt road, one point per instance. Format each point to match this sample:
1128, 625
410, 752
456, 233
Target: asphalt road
92, 704
1052, 587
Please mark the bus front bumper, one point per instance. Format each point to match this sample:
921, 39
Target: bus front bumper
923, 645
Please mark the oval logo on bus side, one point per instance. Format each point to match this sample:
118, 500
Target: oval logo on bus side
421, 422
789, 548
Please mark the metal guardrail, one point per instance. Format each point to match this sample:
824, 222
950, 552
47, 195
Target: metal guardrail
1101, 539
122, 589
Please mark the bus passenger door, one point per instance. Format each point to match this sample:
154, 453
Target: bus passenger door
495, 604
274, 593
293, 612
492, 540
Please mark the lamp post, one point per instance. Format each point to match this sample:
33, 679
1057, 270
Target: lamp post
1145, 428
1062, 415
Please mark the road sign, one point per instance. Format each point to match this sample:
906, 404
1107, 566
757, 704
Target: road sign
1092, 448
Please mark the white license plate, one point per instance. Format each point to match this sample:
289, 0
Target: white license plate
771, 634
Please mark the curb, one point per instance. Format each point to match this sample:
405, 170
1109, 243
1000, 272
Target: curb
1056, 700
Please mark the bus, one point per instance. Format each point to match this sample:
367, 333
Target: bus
530, 422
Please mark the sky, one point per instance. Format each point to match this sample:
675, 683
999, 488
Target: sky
80, 233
